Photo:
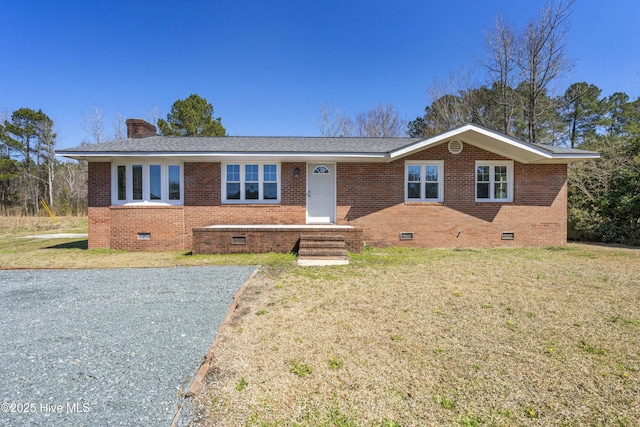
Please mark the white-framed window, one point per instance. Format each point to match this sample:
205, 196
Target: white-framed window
251, 182
424, 181
494, 181
147, 182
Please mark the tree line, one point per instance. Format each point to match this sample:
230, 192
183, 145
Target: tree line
29, 172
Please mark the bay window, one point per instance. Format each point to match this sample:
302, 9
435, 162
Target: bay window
151, 182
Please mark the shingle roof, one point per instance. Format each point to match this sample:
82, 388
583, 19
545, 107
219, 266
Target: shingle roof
381, 149
241, 144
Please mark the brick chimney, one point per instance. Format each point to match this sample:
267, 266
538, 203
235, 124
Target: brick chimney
138, 128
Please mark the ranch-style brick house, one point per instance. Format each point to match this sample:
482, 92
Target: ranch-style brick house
468, 187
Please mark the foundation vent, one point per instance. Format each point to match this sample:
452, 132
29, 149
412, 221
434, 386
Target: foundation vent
144, 236
406, 235
508, 235
239, 240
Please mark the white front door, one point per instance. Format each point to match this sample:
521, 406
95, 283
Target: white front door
321, 193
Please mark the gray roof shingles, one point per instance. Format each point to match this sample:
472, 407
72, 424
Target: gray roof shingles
242, 144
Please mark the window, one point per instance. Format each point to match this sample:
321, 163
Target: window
494, 181
321, 169
424, 181
147, 182
250, 183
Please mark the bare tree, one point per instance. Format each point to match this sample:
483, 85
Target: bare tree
333, 122
500, 63
542, 59
154, 115
93, 125
119, 127
380, 121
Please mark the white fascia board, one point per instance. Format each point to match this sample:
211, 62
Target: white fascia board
514, 149
434, 140
568, 158
464, 130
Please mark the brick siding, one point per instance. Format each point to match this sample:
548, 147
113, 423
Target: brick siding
537, 215
370, 196
219, 240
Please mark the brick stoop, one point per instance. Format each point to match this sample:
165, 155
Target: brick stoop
322, 250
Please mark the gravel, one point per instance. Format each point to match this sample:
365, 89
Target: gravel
107, 347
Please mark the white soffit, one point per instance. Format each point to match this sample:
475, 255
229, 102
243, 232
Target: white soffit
495, 143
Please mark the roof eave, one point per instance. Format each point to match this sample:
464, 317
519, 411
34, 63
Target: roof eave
228, 156
520, 151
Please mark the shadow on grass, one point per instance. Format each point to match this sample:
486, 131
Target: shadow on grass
78, 244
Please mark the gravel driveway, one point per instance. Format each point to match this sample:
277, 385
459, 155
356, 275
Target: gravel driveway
106, 347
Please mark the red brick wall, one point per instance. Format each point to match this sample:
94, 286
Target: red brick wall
537, 216
164, 223
171, 227
99, 197
218, 240
369, 196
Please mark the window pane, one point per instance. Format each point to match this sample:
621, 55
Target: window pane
233, 173
413, 190
482, 174
174, 182
414, 173
501, 190
500, 174
482, 190
137, 182
251, 191
270, 173
122, 182
155, 182
270, 191
233, 191
432, 173
251, 173
431, 190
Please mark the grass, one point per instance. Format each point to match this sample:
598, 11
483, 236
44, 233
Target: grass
402, 337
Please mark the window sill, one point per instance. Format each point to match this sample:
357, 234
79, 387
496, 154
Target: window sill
250, 203
424, 202
493, 201
147, 204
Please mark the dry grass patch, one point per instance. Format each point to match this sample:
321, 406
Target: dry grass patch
435, 337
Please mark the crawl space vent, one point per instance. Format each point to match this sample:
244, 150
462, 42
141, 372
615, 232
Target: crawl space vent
239, 240
508, 235
455, 147
406, 235
144, 236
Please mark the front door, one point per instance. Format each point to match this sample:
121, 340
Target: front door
321, 193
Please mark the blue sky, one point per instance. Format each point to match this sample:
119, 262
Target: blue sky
268, 66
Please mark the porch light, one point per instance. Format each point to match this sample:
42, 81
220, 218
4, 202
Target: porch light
296, 172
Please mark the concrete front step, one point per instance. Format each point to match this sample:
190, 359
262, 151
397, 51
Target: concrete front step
328, 244
322, 250
322, 237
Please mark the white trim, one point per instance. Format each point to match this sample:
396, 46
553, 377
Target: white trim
492, 164
243, 200
146, 191
440, 164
